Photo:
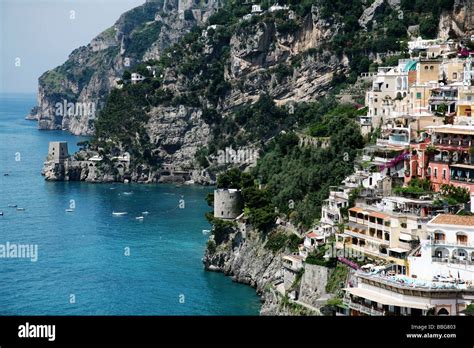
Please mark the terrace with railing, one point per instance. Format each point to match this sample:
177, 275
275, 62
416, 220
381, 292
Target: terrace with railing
362, 307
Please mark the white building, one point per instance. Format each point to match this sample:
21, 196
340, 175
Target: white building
449, 251
420, 44
331, 214
136, 78
387, 98
256, 9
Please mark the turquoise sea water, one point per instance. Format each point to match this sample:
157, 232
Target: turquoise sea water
82, 254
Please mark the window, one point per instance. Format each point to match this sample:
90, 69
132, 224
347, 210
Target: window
431, 67
386, 85
375, 111
455, 76
426, 67
444, 174
418, 95
435, 172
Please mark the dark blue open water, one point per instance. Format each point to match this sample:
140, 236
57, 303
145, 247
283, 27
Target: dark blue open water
81, 254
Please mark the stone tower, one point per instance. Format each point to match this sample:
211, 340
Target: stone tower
228, 203
58, 151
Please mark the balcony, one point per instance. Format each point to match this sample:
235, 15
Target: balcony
453, 244
462, 179
465, 102
441, 159
452, 261
362, 308
398, 140
453, 142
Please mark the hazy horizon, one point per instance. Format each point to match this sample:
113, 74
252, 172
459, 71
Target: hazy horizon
38, 35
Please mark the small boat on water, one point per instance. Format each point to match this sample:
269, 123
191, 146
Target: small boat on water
20, 209
119, 213
139, 218
1, 213
206, 231
12, 205
128, 193
69, 210
145, 213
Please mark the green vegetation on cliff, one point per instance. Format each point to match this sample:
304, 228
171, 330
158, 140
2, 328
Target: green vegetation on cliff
295, 179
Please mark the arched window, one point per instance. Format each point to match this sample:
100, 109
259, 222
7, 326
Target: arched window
443, 311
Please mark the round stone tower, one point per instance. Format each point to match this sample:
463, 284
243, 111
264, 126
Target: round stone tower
228, 203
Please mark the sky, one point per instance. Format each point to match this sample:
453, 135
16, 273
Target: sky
38, 35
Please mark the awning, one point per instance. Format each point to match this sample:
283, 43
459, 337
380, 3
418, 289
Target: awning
398, 250
440, 102
406, 237
385, 299
464, 166
465, 130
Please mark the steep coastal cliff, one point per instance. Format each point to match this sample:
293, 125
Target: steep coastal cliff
92, 71
246, 258
213, 75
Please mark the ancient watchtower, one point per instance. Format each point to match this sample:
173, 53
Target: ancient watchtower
58, 151
228, 203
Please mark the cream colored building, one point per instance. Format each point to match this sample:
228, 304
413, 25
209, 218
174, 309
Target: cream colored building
428, 70
388, 94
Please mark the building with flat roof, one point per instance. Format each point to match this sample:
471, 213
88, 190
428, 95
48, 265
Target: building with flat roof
382, 295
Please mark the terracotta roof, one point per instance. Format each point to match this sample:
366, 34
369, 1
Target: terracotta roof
356, 209
312, 235
447, 219
379, 215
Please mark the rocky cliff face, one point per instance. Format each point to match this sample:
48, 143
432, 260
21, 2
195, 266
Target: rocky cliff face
244, 257
270, 49
285, 56
246, 260
290, 67
460, 20
86, 78
177, 133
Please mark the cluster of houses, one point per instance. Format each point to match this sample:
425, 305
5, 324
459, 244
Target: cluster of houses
408, 254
